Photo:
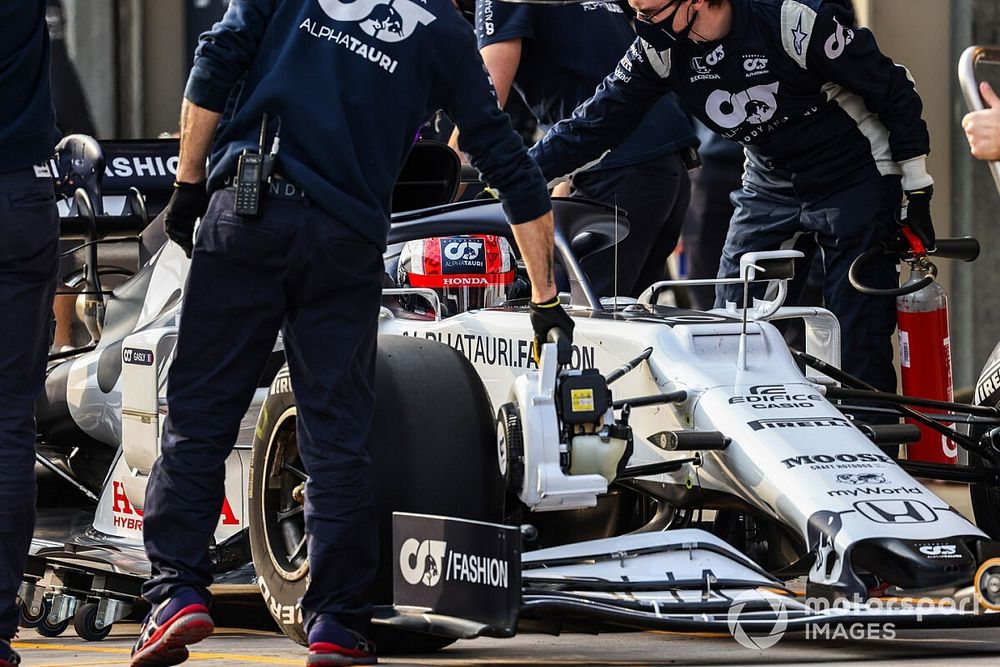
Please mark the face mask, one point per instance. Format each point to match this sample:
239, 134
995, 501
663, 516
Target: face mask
661, 36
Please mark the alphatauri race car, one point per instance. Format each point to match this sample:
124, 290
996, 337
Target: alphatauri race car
666, 468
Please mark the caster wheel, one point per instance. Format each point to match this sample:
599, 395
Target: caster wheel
987, 584
26, 619
85, 623
46, 629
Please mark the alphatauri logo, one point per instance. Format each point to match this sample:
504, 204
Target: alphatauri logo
422, 562
463, 249
387, 20
756, 105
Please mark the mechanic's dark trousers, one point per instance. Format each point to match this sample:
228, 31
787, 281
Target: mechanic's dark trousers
707, 222
655, 195
29, 257
845, 224
298, 269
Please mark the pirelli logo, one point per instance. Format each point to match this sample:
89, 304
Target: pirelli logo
799, 422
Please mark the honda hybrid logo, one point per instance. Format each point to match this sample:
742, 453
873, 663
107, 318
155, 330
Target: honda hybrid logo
422, 562
896, 511
387, 20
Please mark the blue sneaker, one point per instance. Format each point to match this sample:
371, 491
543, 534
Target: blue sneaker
330, 643
169, 628
8, 656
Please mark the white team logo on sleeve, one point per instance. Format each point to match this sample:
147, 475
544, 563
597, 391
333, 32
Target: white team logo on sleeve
838, 41
387, 20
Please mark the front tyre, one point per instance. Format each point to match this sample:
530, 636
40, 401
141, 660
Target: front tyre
433, 451
985, 496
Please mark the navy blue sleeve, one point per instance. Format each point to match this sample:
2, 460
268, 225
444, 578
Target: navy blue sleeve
851, 58
607, 118
500, 21
226, 52
485, 133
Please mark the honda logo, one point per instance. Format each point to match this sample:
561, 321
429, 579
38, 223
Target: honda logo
895, 511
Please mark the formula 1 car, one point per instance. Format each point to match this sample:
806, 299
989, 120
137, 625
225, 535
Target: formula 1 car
717, 470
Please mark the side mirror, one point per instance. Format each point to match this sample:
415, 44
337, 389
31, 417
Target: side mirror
769, 265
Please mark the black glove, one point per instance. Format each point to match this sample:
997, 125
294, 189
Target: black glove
188, 203
545, 317
917, 216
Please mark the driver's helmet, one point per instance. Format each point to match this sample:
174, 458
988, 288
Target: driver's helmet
467, 272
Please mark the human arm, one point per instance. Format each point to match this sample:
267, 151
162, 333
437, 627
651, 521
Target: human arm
501, 28
607, 118
982, 128
501, 60
498, 153
535, 240
223, 56
226, 52
850, 57
500, 156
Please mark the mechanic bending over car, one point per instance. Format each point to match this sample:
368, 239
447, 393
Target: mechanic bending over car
332, 79
832, 130
554, 57
29, 259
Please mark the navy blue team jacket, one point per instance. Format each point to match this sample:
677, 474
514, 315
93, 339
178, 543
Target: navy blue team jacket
567, 50
352, 83
27, 120
810, 98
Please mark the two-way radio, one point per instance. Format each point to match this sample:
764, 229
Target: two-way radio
253, 172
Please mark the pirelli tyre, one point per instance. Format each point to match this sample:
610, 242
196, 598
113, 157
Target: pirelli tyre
433, 451
986, 497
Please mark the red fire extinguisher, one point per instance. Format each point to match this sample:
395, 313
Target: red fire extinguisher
924, 338
925, 360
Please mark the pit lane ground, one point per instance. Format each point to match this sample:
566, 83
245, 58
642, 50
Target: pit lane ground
246, 636
229, 647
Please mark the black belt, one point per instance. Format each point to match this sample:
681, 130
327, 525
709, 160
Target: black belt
278, 188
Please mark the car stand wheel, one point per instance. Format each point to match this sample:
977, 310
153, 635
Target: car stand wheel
987, 584
26, 619
415, 470
85, 623
47, 629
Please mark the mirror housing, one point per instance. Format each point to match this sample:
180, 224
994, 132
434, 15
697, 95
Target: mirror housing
769, 265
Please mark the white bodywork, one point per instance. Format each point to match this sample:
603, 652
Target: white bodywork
790, 455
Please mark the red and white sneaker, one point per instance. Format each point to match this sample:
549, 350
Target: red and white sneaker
332, 644
169, 628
